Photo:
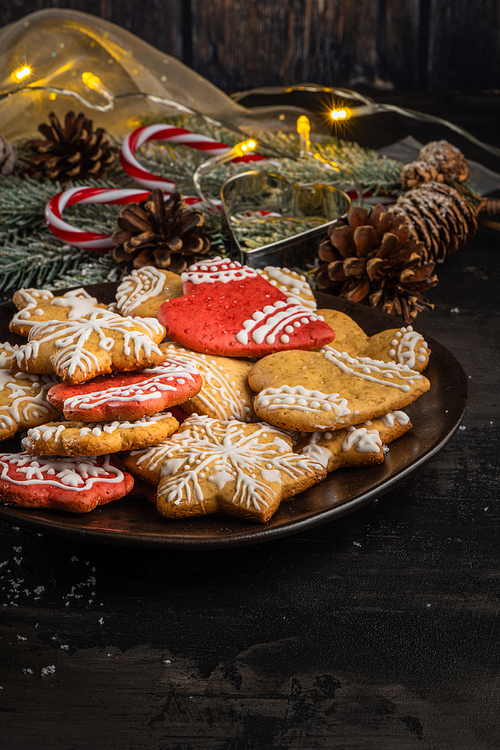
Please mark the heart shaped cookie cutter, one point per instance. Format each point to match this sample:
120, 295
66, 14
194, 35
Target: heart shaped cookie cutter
270, 196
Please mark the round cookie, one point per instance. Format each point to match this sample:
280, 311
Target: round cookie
98, 438
77, 485
24, 401
141, 293
129, 395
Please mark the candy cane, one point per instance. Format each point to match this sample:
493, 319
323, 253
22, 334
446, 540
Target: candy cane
174, 135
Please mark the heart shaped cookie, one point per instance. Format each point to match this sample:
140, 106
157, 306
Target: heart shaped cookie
328, 390
230, 310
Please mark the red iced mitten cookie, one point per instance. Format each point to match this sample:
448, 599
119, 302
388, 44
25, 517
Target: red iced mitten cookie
77, 485
128, 396
230, 310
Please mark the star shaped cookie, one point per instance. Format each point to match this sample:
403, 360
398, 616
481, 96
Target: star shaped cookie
244, 470
93, 343
39, 305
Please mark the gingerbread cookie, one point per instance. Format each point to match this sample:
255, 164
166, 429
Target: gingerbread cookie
77, 485
245, 470
230, 310
142, 292
98, 438
225, 393
292, 284
6, 353
130, 395
99, 342
327, 390
23, 401
402, 345
356, 446
39, 305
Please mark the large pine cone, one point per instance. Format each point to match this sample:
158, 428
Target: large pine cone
442, 218
75, 152
375, 258
155, 232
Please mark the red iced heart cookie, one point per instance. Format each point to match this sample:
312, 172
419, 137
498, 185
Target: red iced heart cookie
73, 484
229, 309
128, 396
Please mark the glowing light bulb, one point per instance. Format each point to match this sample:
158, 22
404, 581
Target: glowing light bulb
340, 114
94, 82
304, 129
241, 149
21, 73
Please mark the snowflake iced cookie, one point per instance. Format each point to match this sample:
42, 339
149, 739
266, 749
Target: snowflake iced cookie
141, 294
77, 485
23, 401
39, 305
290, 283
231, 310
6, 352
225, 393
402, 345
130, 395
244, 470
99, 342
328, 390
354, 446
97, 438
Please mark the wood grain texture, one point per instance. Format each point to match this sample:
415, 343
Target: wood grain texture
404, 44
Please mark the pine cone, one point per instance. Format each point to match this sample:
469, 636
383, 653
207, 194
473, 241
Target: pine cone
8, 156
375, 258
160, 233
418, 173
448, 160
442, 218
75, 152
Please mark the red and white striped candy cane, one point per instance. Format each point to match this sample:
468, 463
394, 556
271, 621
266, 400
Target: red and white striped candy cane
79, 195
172, 134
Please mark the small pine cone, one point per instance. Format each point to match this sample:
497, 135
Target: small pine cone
418, 173
375, 258
76, 151
442, 218
8, 156
155, 232
448, 160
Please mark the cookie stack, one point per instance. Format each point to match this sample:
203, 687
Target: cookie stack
253, 396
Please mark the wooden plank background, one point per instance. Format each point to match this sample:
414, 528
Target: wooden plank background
387, 44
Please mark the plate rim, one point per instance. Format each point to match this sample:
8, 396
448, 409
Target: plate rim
49, 523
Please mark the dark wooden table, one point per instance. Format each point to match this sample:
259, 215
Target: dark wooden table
379, 631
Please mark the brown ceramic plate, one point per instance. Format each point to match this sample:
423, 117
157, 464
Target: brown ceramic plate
133, 520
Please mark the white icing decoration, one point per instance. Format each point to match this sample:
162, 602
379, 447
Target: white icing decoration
226, 451
138, 287
71, 336
368, 369
405, 353
218, 270
73, 473
301, 399
46, 432
267, 324
218, 392
398, 416
362, 440
6, 352
298, 286
16, 388
150, 388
